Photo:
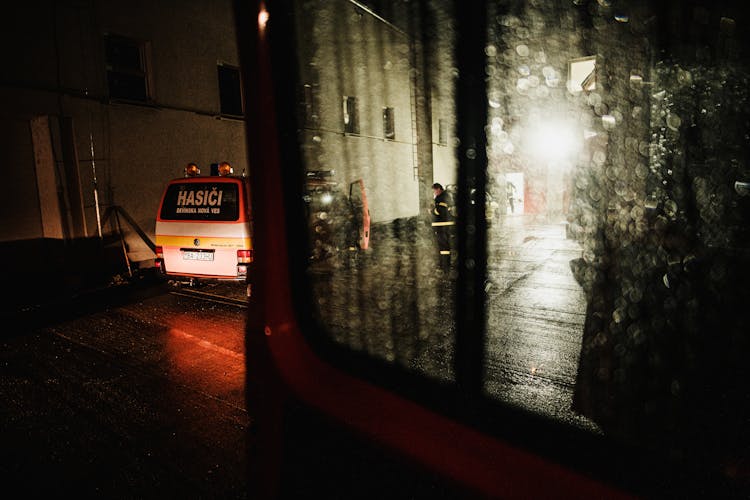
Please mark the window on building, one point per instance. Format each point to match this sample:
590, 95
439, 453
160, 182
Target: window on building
582, 74
442, 132
127, 69
351, 119
230, 95
389, 124
307, 107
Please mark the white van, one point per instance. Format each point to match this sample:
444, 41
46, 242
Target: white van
204, 226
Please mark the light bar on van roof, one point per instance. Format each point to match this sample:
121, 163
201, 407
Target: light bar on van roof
192, 170
225, 168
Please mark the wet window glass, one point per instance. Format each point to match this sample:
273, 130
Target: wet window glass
216, 201
374, 256
618, 240
616, 206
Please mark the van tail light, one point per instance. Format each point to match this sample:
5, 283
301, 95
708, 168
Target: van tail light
244, 256
159, 260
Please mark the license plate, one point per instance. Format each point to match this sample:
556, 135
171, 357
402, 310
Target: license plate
197, 256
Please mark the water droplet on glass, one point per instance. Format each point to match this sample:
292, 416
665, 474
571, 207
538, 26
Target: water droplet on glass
684, 77
618, 315
599, 157
542, 92
522, 50
522, 85
674, 122
670, 208
641, 171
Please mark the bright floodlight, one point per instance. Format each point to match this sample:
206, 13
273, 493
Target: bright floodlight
553, 140
262, 17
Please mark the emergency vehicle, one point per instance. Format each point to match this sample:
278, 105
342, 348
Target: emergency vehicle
204, 226
339, 225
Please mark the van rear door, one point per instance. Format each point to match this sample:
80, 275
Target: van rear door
203, 228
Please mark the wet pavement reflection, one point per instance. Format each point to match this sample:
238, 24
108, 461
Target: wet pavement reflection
144, 399
396, 305
536, 312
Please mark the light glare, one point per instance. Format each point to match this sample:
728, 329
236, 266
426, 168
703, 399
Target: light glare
262, 18
552, 141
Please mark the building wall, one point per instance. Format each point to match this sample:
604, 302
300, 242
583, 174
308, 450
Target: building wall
55, 66
355, 54
441, 66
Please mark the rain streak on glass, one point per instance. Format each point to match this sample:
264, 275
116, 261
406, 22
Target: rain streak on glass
374, 257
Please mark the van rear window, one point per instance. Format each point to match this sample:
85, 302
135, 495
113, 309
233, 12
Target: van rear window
214, 201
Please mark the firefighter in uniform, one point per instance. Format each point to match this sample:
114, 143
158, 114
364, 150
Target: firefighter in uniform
441, 222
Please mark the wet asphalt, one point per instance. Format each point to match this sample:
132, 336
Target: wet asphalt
126, 394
